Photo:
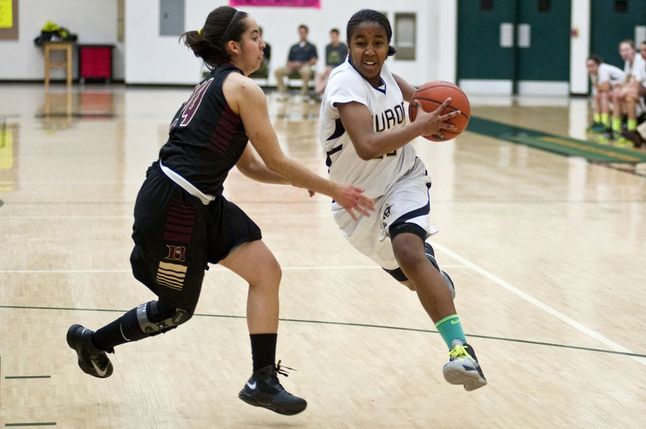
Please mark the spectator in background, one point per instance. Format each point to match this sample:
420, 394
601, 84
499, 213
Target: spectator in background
335, 53
301, 59
638, 137
604, 78
625, 97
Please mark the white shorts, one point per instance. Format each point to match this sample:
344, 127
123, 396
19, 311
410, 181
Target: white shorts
407, 200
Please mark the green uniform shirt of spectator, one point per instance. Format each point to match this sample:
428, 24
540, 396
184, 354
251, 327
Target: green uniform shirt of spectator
335, 55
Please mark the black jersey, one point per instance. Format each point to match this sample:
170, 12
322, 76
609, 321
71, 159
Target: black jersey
206, 138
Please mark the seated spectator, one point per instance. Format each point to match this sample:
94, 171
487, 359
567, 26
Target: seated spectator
335, 53
301, 59
604, 78
263, 71
638, 137
626, 96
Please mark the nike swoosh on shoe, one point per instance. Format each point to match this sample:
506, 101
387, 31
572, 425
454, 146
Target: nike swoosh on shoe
98, 370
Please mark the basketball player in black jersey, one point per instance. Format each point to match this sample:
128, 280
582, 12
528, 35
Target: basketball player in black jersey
183, 223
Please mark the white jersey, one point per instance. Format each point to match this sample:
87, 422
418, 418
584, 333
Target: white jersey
636, 69
609, 73
386, 105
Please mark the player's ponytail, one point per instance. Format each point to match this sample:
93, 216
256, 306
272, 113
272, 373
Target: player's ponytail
223, 24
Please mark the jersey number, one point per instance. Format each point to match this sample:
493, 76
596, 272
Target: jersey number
191, 106
393, 153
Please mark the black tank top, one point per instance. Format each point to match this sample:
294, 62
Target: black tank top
206, 138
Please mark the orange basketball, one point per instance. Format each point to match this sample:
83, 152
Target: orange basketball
432, 94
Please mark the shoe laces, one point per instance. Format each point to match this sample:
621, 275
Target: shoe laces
282, 370
278, 369
459, 351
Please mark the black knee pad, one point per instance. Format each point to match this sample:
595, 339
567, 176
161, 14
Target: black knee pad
398, 228
158, 317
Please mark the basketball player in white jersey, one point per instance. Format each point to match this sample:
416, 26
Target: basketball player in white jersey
626, 97
364, 131
604, 78
638, 137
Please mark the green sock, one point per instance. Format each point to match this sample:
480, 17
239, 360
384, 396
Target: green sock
632, 124
616, 124
450, 329
605, 119
596, 118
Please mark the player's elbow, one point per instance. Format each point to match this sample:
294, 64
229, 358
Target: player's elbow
365, 152
276, 164
272, 164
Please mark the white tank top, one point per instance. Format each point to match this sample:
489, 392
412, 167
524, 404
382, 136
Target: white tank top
386, 105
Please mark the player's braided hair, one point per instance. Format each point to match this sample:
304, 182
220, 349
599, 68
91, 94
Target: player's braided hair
223, 24
369, 15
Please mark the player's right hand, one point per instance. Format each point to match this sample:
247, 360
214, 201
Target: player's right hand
434, 122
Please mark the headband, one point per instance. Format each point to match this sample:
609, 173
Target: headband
229, 27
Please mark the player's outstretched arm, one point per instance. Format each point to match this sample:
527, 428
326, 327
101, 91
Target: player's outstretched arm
248, 100
253, 167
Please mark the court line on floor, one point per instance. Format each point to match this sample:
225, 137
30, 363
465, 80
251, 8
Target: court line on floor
25, 377
465, 262
541, 305
352, 324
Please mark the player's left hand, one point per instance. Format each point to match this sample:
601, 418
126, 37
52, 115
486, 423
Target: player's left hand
351, 198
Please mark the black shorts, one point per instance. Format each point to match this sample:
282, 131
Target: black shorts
176, 236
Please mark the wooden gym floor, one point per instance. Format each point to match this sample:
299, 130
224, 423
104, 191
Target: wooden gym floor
548, 254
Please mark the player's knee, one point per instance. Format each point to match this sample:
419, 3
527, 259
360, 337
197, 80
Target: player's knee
273, 269
407, 253
429, 252
405, 239
157, 317
139, 266
267, 272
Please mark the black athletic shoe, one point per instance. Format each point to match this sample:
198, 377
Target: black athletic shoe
264, 390
634, 137
92, 361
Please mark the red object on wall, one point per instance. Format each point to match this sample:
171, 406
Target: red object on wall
95, 62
